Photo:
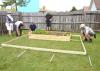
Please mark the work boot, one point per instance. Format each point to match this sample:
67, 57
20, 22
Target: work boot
85, 39
95, 36
90, 40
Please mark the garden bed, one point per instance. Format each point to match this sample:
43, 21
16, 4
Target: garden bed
51, 35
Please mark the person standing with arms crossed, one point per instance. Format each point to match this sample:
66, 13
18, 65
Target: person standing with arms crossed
9, 23
48, 21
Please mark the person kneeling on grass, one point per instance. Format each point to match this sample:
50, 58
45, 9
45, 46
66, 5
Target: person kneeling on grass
87, 33
32, 27
18, 28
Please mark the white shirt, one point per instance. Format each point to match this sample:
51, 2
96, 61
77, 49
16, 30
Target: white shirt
10, 17
87, 30
9, 26
18, 23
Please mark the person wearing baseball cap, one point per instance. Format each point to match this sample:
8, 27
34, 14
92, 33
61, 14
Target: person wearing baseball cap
87, 33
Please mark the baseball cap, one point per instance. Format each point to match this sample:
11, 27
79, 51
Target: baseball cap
82, 25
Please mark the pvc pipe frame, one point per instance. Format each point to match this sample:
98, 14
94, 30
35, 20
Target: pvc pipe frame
49, 50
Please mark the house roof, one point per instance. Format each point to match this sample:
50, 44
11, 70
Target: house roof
97, 4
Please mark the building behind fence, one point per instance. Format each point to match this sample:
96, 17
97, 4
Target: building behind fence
69, 22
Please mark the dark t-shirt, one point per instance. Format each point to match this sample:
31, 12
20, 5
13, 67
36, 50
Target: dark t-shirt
32, 27
48, 17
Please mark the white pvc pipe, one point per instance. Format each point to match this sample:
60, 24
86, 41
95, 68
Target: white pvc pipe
90, 61
52, 58
45, 49
83, 45
14, 39
21, 54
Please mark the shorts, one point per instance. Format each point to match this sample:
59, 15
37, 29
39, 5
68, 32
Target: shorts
91, 34
48, 24
9, 26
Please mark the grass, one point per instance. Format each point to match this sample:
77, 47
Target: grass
25, 41
39, 61
4, 38
93, 51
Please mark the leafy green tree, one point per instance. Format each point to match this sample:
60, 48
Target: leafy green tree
73, 9
16, 3
5, 4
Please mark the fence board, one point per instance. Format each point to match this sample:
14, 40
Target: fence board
60, 22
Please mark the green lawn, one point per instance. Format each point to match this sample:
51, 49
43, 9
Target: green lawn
25, 41
39, 61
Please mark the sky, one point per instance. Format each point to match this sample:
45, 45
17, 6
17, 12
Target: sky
0, 1
59, 5
33, 6
63, 5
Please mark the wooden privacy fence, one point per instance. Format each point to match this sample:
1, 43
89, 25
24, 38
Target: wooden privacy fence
61, 21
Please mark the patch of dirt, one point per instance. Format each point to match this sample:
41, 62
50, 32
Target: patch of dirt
57, 36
